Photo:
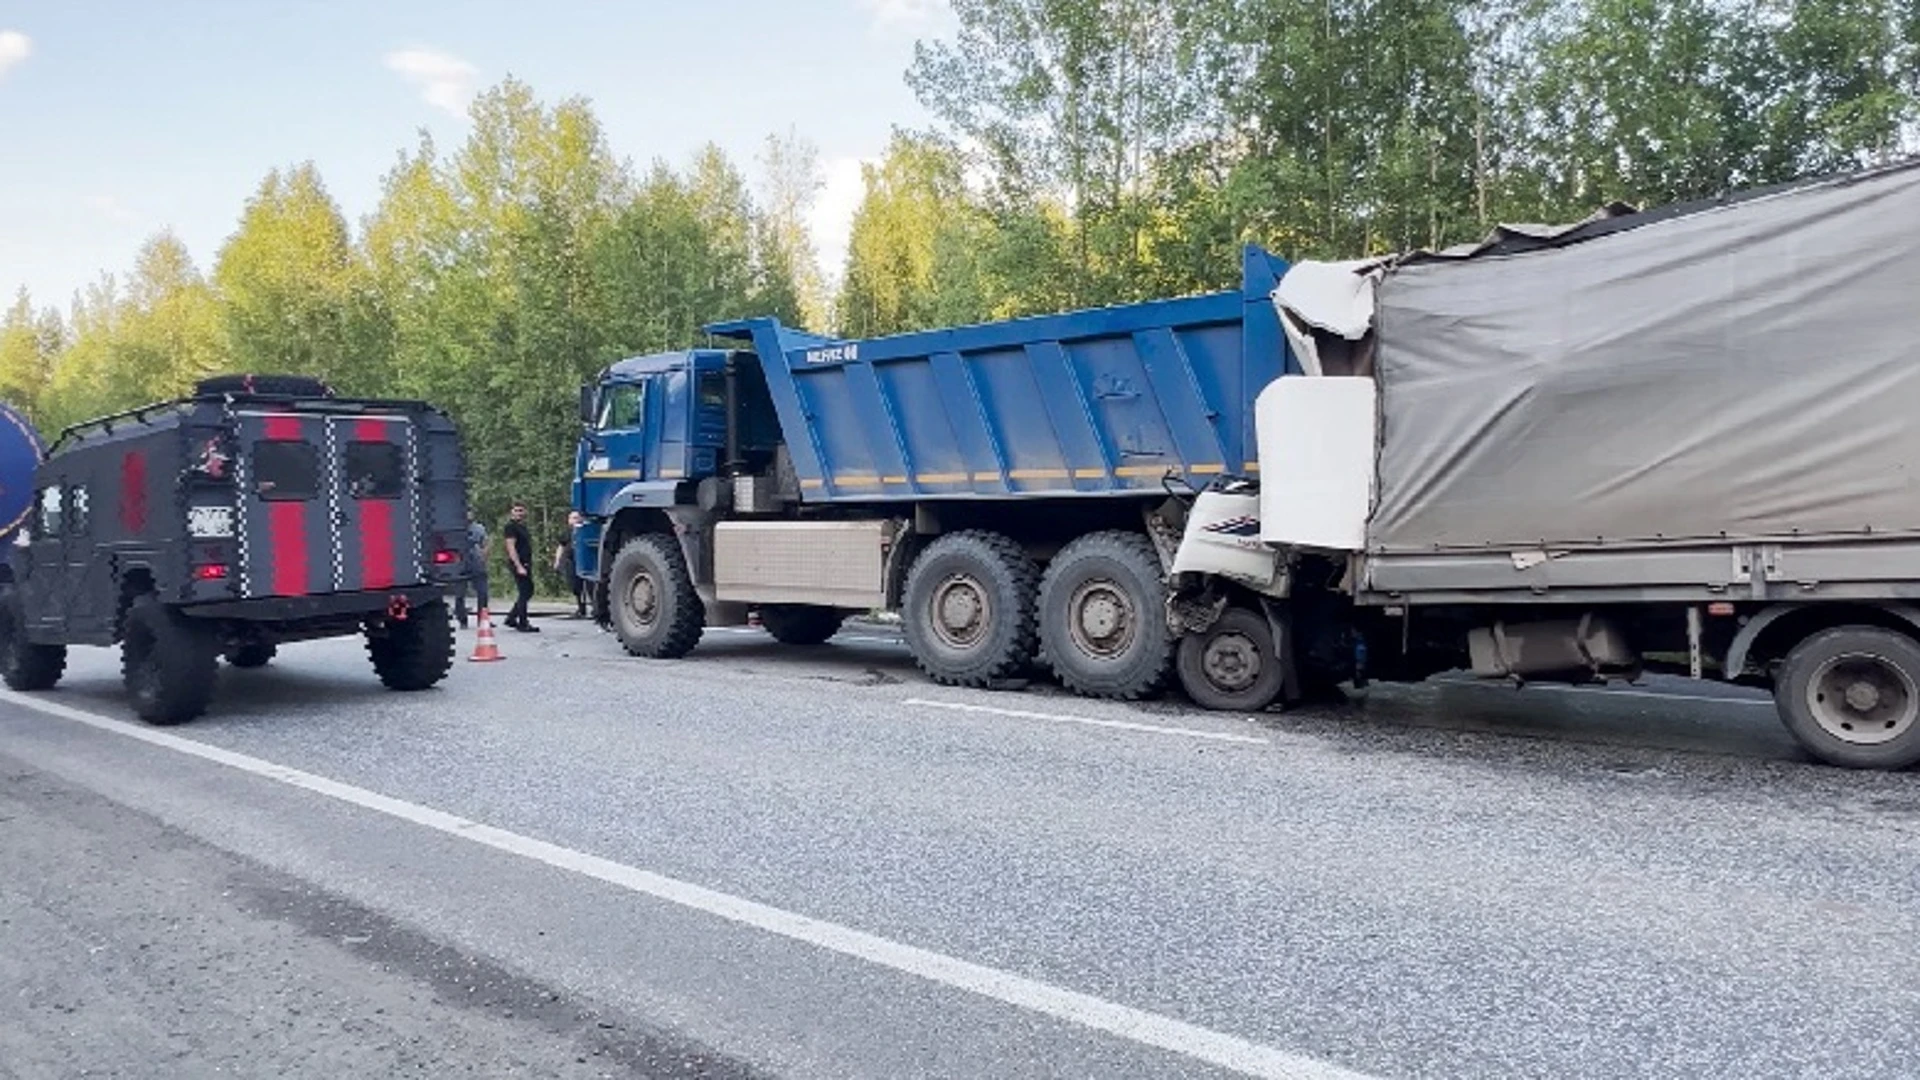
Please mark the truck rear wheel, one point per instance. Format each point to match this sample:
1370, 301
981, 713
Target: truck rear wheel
801, 624
1851, 696
168, 662
1103, 617
413, 653
23, 664
969, 609
1231, 666
656, 611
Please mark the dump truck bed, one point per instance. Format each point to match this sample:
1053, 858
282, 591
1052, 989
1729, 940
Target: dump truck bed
1102, 402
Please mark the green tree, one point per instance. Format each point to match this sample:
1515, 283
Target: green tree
1074, 104
287, 280
790, 185
905, 253
481, 287
30, 342
146, 341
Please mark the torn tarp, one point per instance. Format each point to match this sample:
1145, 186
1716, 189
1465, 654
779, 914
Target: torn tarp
1746, 369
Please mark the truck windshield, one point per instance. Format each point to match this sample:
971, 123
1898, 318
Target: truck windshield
620, 406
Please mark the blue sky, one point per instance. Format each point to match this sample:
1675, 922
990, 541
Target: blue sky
120, 118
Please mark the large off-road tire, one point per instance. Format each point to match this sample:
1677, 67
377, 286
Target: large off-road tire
253, 654
801, 624
656, 613
1232, 667
969, 609
1103, 617
23, 664
416, 652
1851, 696
169, 663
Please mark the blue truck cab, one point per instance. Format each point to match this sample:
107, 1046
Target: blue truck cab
654, 425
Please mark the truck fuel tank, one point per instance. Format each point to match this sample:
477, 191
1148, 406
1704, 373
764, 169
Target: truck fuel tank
1585, 649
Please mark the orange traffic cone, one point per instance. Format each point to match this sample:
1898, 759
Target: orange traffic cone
485, 648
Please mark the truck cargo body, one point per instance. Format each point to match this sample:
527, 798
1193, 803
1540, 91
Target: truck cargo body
1682, 439
807, 477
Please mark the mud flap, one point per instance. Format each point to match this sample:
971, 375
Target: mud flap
1280, 621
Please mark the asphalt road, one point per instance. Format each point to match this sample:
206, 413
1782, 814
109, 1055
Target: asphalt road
810, 863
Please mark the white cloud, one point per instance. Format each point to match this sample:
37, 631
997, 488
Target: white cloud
110, 208
831, 218
15, 47
904, 14
446, 82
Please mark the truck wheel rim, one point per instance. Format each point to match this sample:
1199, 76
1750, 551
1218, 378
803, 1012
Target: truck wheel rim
1101, 619
1862, 698
1231, 661
960, 612
643, 599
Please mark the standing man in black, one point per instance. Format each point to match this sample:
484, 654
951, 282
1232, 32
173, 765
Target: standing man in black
520, 564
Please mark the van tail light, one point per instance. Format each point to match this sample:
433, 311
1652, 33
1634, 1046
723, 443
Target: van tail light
445, 557
210, 572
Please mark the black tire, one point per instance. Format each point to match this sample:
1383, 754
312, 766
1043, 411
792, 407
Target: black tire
1851, 696
1232, 667
413, 653
253, 654
801, 624
23, 664
168, 662
1103, 617
968, 614
657, 614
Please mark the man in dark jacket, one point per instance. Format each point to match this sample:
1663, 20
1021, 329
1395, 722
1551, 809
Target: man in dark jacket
565, 566
520, 565
476, 563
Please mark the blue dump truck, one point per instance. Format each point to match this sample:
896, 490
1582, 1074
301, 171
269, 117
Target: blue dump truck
1017, 491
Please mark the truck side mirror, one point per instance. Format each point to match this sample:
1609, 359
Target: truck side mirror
586, 403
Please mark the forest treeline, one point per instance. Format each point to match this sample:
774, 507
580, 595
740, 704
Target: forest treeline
1083, 152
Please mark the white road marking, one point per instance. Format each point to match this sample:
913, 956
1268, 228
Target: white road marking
1064, 718
1148, 1029
1604, 694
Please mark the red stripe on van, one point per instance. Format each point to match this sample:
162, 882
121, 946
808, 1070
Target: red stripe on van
286, 521
287, 539
376, 520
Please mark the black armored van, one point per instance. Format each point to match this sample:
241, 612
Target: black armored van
257, 511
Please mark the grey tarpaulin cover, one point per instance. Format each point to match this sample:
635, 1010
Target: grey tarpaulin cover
1747, 370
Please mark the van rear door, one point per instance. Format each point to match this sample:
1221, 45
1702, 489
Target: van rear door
378, 496
285, 532
331, 503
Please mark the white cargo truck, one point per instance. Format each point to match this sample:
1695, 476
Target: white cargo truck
1680, 440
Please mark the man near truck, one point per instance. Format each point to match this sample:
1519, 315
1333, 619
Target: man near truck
476, 560
520, 563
